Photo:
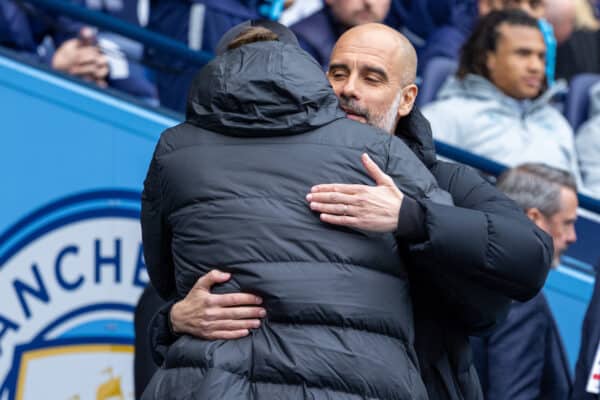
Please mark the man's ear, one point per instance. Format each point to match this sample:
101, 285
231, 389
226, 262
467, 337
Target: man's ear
484, 7
490, 62
409, 95
536, 216
487, 6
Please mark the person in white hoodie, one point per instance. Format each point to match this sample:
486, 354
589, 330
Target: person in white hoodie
498, 105
588, 145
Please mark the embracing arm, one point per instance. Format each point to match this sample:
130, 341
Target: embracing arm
205, 315
480, 254
474, 256
485, 238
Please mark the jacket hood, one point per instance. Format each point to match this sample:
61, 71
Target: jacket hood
415, 131
262, 89
595, 100
477, 87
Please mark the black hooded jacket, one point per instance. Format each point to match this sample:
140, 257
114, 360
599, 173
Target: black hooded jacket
471, 260
226, 189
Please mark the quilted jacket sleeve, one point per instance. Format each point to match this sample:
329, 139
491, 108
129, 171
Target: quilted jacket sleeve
156, 234
479, 254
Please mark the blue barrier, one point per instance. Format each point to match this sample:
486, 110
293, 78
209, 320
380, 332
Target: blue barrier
494, 168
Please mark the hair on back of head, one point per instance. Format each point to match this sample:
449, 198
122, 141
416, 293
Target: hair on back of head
252, 35
474, 53
536, 185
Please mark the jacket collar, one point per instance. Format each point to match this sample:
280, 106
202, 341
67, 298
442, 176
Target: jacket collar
478, 87
415, 131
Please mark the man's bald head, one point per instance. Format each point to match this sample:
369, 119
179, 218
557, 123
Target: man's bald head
561, 14
372, 71
349, 13
390, 42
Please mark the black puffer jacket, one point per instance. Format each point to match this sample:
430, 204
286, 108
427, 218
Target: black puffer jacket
226, 189
474, 258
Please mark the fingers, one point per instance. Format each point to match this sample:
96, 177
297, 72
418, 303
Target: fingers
87, 35
333, 198
216, 314
233, 299
90, 71
207, 281
375, 172
102, 68
335, 209
342, 220
227, 335
235, 325
87, 55
90, 64
338, 187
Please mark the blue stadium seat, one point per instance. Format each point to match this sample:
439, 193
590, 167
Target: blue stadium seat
577, 104
435, 74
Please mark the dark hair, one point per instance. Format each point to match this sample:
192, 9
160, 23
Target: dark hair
473, 55
252, 35
535, 185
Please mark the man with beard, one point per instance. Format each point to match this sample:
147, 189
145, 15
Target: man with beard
466, 262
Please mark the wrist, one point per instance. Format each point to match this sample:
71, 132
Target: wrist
411, 221
170, 320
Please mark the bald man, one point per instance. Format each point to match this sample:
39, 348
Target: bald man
561, 14
466, 261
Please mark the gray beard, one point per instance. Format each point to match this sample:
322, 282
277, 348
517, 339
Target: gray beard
387, 121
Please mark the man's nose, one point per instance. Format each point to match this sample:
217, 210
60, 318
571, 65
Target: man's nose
571, 235
349, 89
536, 63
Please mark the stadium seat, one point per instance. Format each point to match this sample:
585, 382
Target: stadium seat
577, 104
434, 75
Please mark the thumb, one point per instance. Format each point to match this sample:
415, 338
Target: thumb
213, 277
87, 35
380, 178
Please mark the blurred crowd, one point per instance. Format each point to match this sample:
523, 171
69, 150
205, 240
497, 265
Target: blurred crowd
516, 109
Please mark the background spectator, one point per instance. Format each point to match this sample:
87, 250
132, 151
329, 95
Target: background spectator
505, 114
54, 40
200, 24
561, 15
74, 48
524, 357
588, 145
447, 40
581, 52
318, 32
124, 55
